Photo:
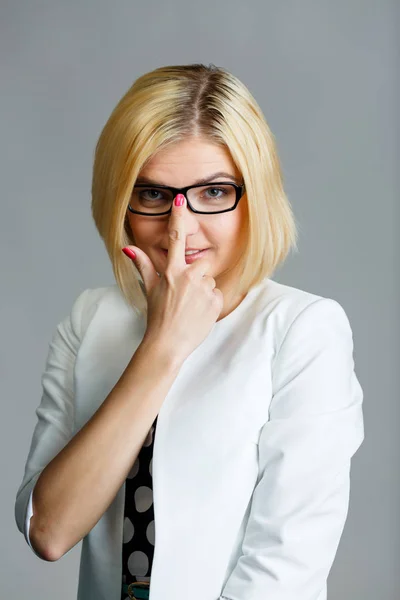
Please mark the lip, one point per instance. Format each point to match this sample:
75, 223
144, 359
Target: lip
191, 257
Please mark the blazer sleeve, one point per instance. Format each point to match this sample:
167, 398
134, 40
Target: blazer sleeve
315, 425
55, 413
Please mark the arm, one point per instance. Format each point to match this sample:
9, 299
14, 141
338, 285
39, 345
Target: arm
55, 411
75, 478
300, 502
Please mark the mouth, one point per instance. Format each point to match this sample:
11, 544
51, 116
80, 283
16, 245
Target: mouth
189, 257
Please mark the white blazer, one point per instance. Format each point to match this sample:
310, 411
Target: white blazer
251, 460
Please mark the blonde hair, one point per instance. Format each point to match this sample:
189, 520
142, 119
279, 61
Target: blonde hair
165, 106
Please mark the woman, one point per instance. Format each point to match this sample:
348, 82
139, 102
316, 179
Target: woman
198, 418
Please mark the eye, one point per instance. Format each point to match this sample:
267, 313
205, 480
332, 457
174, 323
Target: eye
216, 189
151, 194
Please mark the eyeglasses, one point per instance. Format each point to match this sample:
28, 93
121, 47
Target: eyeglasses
155, 200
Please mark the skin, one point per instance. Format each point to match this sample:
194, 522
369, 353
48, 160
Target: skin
180, 165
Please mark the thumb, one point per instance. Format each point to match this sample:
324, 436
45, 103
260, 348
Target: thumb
143, 265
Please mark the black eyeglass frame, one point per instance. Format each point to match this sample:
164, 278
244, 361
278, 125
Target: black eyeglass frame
240, 190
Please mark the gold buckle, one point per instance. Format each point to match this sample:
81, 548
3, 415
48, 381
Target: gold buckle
137, 583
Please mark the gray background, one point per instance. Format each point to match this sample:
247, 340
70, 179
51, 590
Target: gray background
324, 75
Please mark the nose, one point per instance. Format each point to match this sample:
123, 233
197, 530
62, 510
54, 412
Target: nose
191, 219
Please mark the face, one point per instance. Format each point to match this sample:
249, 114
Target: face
180, 165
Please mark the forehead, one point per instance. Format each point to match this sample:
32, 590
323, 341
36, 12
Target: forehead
183, 162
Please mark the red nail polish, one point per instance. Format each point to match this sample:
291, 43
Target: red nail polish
179, 200
129, 253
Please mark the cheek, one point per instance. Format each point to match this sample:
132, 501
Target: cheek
227, 228
144, 231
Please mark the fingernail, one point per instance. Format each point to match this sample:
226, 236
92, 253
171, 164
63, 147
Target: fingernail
129, 253
179, 200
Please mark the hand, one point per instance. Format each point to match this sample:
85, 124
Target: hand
184, 304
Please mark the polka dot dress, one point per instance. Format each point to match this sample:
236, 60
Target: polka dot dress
139, 528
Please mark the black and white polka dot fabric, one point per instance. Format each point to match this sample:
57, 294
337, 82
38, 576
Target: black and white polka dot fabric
139, 529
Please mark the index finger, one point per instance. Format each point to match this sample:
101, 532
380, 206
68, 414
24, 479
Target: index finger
176, 237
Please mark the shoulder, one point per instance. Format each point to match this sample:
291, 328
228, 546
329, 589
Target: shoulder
286, 307
106, 300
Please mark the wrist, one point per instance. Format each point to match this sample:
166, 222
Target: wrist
161, 352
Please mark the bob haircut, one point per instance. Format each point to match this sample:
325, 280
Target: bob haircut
168, 105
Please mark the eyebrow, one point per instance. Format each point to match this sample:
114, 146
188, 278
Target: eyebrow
207, 179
